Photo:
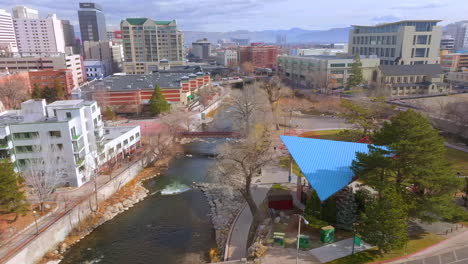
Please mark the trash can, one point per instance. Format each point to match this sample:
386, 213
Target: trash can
304, 242
357, 240
278, 238
327, 234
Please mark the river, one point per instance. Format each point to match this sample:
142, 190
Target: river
162, 229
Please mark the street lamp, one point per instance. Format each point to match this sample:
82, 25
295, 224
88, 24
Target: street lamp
35, 221
299, 235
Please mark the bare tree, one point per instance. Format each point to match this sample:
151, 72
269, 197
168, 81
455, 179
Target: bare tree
157, 147
13, 91
247, 104
43, 172
240, 162
247, 67
177, 120
319, 80
91, 172
275, 90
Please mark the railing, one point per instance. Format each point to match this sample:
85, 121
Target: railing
76, 137
209, 134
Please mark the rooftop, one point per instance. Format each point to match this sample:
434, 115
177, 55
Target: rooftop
399, 22
136, 21
417, 69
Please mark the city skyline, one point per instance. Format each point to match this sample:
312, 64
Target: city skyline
255, 15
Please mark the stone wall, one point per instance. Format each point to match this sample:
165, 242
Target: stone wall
59, 230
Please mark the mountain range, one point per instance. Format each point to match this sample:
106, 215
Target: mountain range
293, 35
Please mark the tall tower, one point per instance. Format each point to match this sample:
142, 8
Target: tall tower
7, 33
92, 22
25, 12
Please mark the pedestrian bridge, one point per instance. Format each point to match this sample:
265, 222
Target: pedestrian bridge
209, 134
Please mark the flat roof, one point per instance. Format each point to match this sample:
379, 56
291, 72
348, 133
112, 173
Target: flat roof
397, 22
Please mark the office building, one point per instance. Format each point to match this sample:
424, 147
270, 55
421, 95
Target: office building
95, 69
407, 80
324, 72
24, 12
400, 43
447, 43
7, 34
147, 42
40, 35
454, 62
69, 36
98, 56
50, 78
201, 49
92, 22
117, 53
71, 131
240, 41
459, 32
260, 55
226, 57
21, 62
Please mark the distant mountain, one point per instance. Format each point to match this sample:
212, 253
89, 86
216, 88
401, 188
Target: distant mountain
293, 35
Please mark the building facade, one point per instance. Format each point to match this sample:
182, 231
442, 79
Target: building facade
227, 57
25, 12
50, 78
459, 78
69, 36
147, 42
117, 53
68, 136
21, 62
400, 43
324, 72
95, 69
39, 35
412, 80
459, 32
454, 62
7, 34
92, 22
447, 43
261, 56
201, 49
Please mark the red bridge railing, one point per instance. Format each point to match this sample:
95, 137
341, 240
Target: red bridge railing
209, 134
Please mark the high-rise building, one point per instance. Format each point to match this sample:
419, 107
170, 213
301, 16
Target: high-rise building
447, 43
69, 36
147, 42
261, 56
201, 49
40, 35
404, 42
7, 33
459, 32
92, 22
25, 12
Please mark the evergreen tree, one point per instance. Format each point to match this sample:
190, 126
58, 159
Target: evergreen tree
384, 224
109, 114
158, 104
415, 161
346, 207
36, 92
356, 78
313, 206
329, 210
50, 94
12, 198
59, 90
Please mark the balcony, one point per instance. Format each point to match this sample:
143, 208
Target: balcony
6, 145
79, 162
76, 137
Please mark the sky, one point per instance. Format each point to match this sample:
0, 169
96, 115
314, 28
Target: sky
255, 15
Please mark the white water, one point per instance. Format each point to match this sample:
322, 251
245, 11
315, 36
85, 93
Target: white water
175, 188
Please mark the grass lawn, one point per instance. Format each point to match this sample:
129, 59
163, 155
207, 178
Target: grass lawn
322, 134
373, 255
459, 160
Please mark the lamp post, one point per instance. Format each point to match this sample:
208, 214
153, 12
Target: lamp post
35, 221
299, 235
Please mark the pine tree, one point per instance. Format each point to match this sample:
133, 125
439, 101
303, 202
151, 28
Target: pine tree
313, 206
109, 114
384, 224
50, 94
36, 92
415, 160
356, 78
12, 198
158, 104
59, 90
346, 207
329, 210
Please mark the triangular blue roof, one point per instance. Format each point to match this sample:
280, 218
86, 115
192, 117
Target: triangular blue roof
325, 163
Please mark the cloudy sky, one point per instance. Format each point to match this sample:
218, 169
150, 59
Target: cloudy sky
228, 15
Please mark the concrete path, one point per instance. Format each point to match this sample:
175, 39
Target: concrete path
457, 147
279, 255
337, 250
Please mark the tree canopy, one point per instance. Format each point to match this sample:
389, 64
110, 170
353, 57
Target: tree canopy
158, 104
12, 198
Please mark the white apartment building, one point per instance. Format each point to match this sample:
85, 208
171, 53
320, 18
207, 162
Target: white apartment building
25, 12
72, 128
19, 62
7, 33
40, 35
405, 42
226, 57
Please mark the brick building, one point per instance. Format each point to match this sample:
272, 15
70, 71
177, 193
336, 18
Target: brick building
454, 62
48, 78
261, 56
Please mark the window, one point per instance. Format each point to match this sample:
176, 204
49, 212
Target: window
337, 65
125, 142
119, 146
68, 115
132, 138
24, 149
73, 131
26, 135
420, 52
137, 135
55, 133
337, 72
421, 39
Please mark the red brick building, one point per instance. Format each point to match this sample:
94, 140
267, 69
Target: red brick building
48, 78
260, 55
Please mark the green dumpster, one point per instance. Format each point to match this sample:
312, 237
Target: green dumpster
327, 234
357, 240
278, 238
304, 242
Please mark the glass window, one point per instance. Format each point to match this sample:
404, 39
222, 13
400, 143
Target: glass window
55, 133
337, 65
421, 39
68, 115
420, 52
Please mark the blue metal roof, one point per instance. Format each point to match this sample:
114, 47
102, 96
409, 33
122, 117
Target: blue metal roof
325, 163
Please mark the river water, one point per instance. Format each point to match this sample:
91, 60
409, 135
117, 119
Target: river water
162, 229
